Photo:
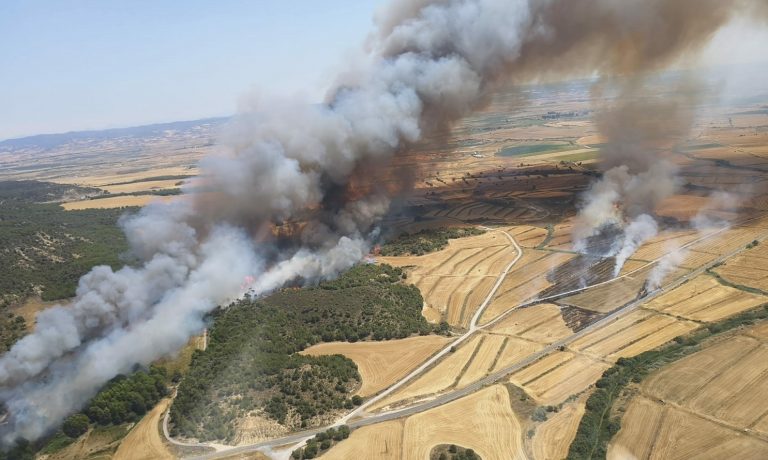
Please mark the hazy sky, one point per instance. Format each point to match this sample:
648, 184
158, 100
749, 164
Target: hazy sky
79, 64
89, 64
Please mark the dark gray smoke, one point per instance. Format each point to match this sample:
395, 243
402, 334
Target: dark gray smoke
288, 196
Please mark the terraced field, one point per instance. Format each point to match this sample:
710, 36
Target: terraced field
455, 281
710, 404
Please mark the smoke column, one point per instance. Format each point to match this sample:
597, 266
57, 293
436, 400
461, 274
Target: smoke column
285, 200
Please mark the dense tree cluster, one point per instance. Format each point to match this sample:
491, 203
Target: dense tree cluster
425, 241
128, 398
453, 452
321, 443
251, 364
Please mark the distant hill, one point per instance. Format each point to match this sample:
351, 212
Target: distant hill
48, 141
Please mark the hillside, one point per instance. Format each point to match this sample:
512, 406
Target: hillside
251, 368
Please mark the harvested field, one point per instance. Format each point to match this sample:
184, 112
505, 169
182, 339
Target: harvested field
542, 366
631, 335
676, 434
710, 404
636, 438
555, 384
665, 242
104, 180
542, 323
483, 361
456, 280
514, 350
750, 268
554, 436
444, 374
525, 281
528, 236
144, 442
114, 202
611, 330
704, 299
483, 421
383, 363
380, 441
612, 295
727, 241
143, 186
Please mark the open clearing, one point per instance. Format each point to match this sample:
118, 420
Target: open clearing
710, 404
455, 280
144, 441
383, 363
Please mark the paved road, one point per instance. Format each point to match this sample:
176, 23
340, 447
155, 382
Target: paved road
365, 419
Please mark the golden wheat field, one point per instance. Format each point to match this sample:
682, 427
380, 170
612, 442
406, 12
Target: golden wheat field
709, 404
554, 436
382, 363
455, 280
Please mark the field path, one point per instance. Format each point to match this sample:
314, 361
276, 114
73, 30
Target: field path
144, 441
472, 328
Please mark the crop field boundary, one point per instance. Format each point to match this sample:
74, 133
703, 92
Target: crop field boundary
595, 432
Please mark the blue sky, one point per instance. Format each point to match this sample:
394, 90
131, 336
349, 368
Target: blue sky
90, 64
85, 64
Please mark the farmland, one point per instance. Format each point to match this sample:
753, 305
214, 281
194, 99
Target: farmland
382, 363
708, 403
484, 422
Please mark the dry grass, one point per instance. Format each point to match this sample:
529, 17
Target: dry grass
710, 404
144, 186
114, 202
527, 278
383, 363
381, 441
555, 384
540, 323
435, 380
481, 364
553, 437
32, 306
145, 442
704, 299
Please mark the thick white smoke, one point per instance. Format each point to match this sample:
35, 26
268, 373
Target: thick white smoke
287, 199
640, 230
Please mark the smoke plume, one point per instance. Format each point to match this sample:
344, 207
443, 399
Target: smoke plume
287, 198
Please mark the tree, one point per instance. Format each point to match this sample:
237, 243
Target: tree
75, 425
357, 400
452, 448
326, 444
